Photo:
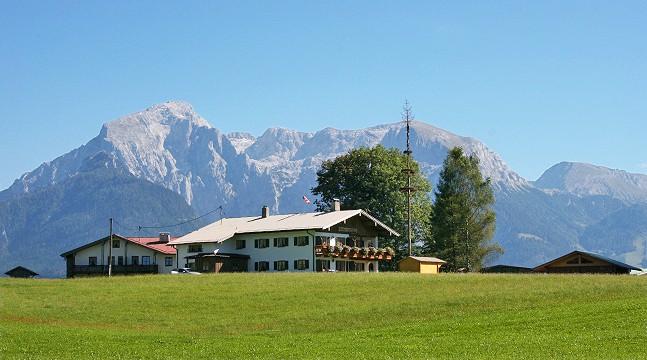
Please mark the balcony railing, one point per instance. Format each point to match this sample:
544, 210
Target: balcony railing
352, 252
116, 269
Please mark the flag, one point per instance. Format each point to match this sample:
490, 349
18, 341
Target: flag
306, 199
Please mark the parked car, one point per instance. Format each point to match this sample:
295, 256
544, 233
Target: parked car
184, 271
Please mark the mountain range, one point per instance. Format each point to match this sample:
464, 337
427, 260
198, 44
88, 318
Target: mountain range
167, 164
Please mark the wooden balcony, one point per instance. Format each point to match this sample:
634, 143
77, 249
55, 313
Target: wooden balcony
353, 253
116, 269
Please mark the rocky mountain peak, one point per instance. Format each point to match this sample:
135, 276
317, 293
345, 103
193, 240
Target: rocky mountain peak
586, 179
241, 140
277, 144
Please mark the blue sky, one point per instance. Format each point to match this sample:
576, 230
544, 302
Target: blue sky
539, 82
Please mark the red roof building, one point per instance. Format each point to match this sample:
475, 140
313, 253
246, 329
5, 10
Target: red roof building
130, 255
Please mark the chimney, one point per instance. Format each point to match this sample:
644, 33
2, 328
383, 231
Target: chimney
165, 237
265, 212
336, 205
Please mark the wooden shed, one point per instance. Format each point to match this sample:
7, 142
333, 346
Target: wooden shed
421, 264
586, 263
21, 272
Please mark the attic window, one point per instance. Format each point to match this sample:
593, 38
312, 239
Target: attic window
195, 248
116, 244
585, 261
573, 261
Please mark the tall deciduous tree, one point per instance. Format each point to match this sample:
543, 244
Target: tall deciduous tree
463, 222
370, 179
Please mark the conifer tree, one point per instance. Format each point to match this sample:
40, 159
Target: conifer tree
462, 221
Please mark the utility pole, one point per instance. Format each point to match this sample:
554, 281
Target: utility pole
467, 244
110, 252
408, 117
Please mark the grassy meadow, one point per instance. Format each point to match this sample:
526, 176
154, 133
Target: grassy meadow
341, 315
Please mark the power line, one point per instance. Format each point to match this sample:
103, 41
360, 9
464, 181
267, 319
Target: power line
182, 223
122, 226
140, 228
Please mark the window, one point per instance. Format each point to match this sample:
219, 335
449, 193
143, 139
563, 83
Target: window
195, 248
261, 243
135, 260
281, 265
585, 261
300, 241
120, 260
146, 260
112, 261
116, 244
322, 265
573, 261
262, 265
322, 240
301, 264
92, 261
240, 244
280, 242
168, 261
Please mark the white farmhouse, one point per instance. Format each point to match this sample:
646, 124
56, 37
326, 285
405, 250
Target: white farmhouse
130, 255
340, 240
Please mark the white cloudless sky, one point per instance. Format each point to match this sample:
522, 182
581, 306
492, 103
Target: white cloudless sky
539, 82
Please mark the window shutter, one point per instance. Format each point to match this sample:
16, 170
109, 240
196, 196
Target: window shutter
296, 264
275, 244
275, 265
255, 265
307, 240
256, 243
307, 264
295, 241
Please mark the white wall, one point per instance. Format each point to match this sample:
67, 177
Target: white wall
126, 249
271, 253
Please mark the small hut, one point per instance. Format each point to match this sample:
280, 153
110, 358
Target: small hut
421, 264
21, 272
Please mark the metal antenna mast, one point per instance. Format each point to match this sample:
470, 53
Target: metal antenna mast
408, 117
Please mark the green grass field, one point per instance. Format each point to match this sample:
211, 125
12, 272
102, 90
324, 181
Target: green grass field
342, 315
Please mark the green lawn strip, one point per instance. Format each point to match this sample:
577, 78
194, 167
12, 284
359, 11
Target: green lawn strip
325, 316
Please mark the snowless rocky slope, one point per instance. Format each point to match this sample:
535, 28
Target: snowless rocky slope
169, 144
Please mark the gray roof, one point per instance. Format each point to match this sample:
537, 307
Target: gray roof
224, 229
